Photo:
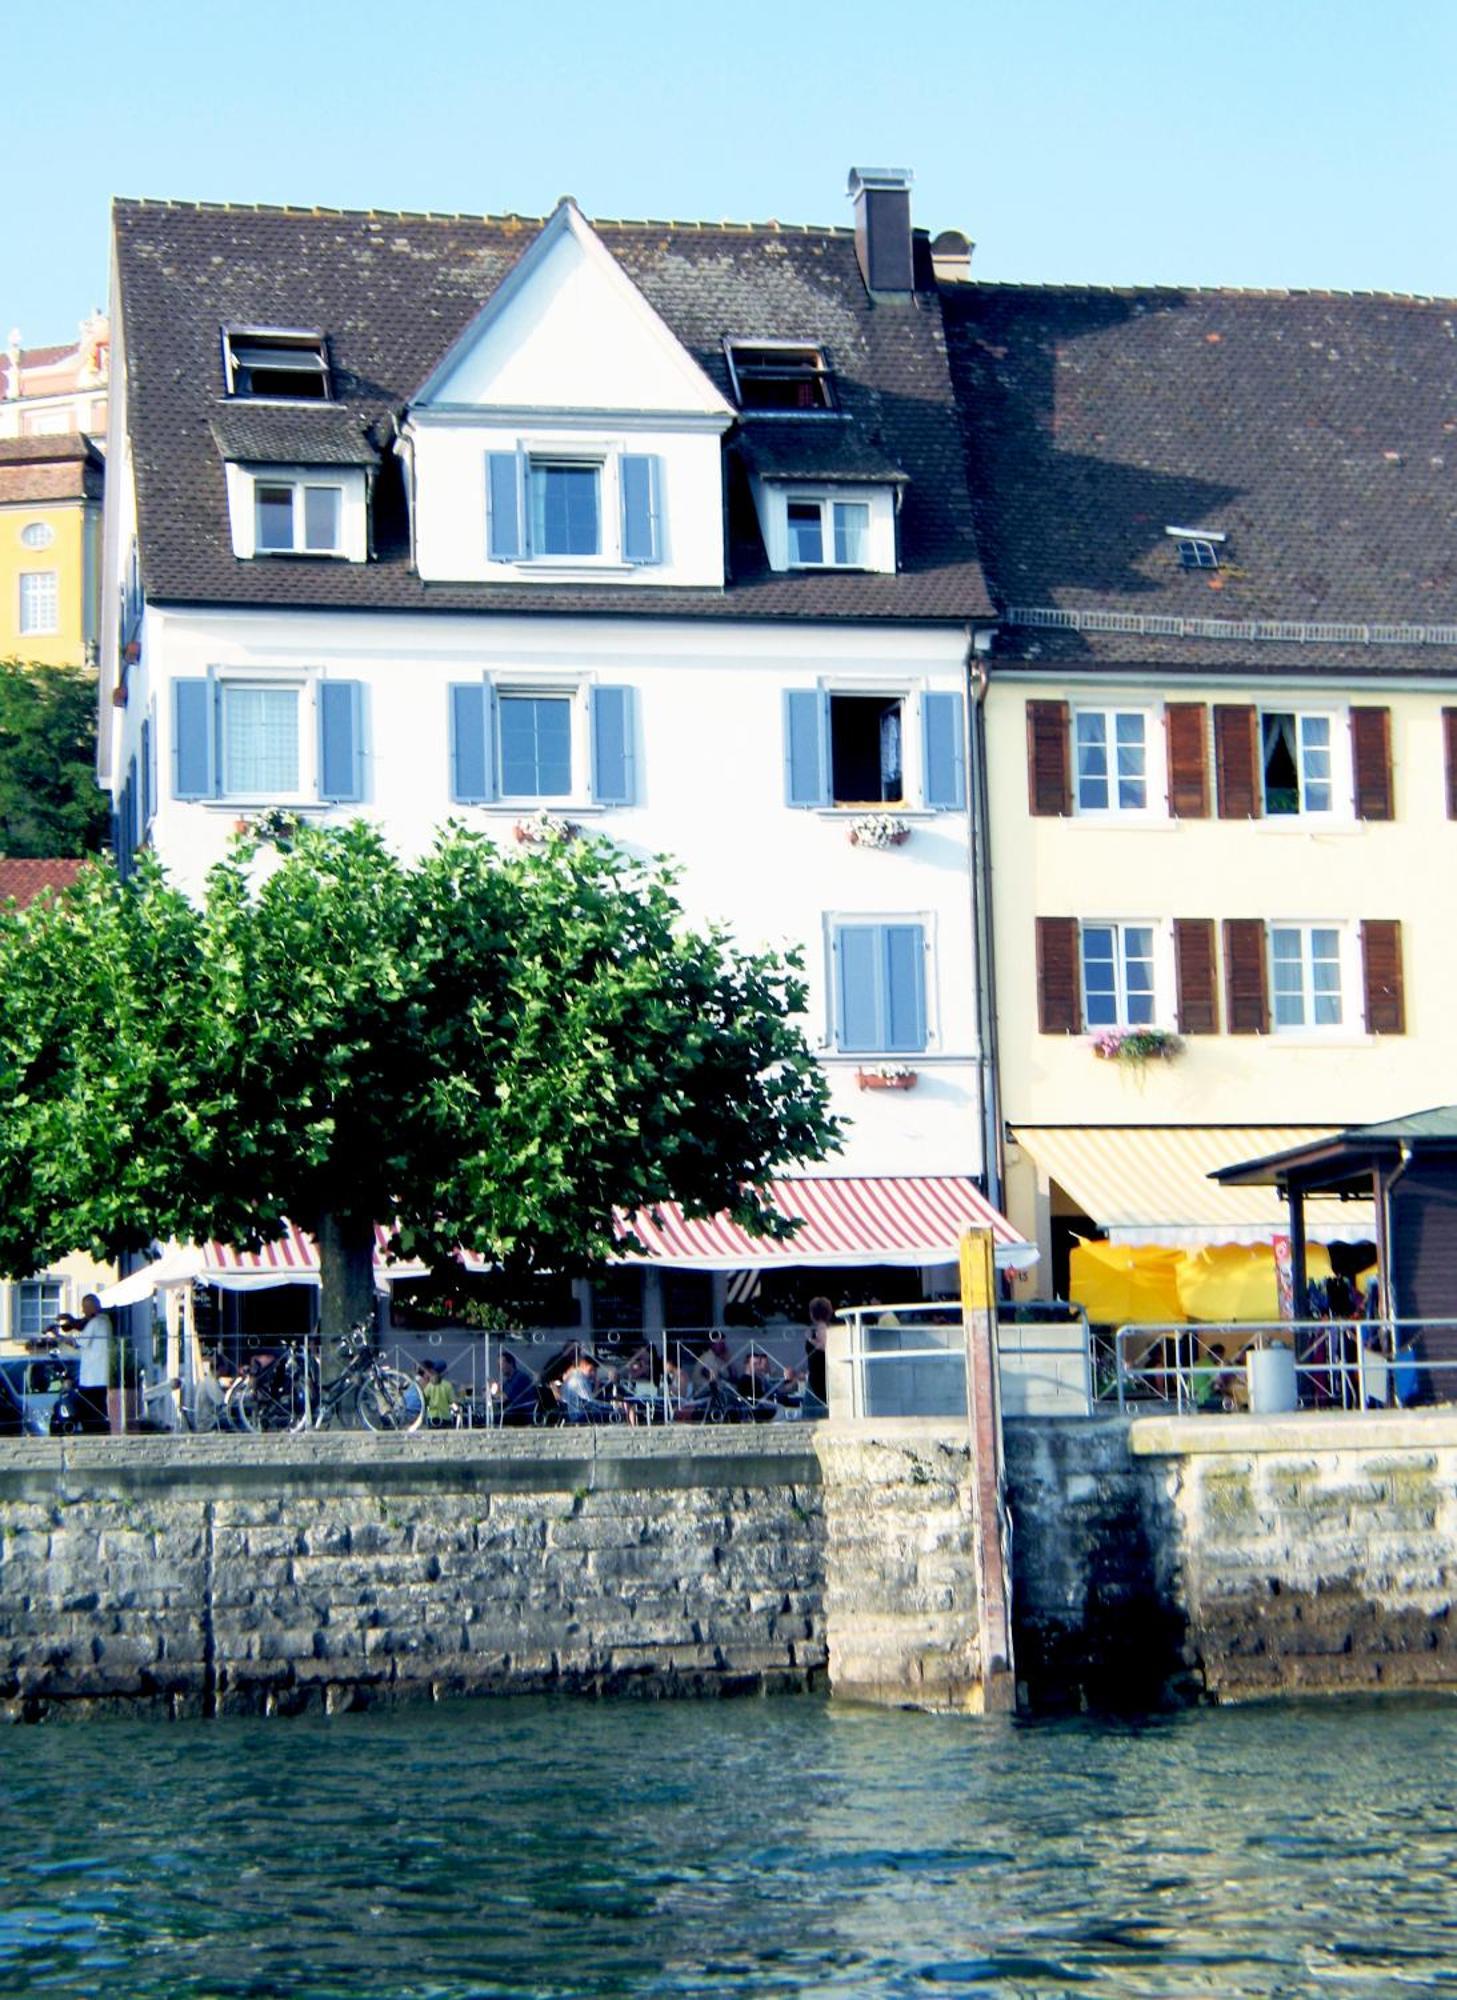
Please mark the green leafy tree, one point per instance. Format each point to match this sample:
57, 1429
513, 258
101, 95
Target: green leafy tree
489, 1051
49, 800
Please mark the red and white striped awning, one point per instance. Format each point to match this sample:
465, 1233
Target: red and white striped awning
904, 1219
292, 1259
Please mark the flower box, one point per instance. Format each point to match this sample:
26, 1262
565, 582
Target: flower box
879, 830
542, 827
1137, 1046
886, 1076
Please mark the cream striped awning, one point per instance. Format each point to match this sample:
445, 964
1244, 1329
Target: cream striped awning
1150, 1183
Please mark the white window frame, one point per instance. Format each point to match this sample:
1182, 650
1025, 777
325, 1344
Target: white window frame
1347, 970
1160, 962
243, 481
819, 371
542, 458
36, 1289
904, 698
1152, 797
1338, 751
303, 687
827, 500
299, 486
308, 343
508, 687
37, 535
34, 623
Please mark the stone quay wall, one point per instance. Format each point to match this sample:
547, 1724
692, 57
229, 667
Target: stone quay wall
203, 1575
1228, 1558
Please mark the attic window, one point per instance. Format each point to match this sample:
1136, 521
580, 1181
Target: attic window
1197, 548
780, 377
276, 363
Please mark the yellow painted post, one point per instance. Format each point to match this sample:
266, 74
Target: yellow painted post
984, 1415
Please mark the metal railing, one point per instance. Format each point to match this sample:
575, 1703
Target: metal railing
904, 1361
1335, 1365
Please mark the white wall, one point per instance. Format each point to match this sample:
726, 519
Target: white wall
711, 786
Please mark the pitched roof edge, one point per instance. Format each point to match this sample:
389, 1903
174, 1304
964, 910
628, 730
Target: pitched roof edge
132, 204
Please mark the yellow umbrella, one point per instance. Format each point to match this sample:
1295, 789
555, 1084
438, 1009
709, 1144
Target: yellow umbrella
1237, 1281
1126, 1284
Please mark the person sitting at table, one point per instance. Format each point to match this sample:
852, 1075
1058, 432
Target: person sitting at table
518, 1391
579, 1386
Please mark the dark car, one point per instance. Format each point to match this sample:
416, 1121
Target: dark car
30, 1387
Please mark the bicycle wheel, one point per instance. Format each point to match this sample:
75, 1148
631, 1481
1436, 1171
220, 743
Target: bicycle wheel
387, 1400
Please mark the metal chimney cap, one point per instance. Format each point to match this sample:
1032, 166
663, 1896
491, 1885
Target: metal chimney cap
867, 180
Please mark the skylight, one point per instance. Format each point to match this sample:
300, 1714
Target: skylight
1197, 548
780, 377
277, 363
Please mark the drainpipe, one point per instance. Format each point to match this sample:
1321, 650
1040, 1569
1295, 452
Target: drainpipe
989, 1091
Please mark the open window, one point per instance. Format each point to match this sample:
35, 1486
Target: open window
276, 363
1295, 753
780, 377
848, 749
865, 750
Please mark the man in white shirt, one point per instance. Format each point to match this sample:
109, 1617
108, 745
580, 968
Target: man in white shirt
91, 1336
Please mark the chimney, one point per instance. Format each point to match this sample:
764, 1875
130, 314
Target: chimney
951, 257
882, 198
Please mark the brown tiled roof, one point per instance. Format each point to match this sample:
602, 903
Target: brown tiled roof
22, 881
1317, 431
308, 434
393, 292
66, 466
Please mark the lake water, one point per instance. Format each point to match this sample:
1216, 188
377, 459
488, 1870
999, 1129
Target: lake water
775, 1848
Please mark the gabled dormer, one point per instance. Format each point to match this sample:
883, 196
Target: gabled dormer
299, 482
826, 498
568, 435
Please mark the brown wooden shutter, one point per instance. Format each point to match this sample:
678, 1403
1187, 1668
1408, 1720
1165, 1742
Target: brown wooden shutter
1371, 762
1237, 761
1198, 994
1049, 792
1381, 960
1059, 984
1449, 740
1186, 739
1246, 998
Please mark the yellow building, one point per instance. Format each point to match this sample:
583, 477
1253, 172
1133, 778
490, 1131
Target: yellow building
1218, 743
50, 549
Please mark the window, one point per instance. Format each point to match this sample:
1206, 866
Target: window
39, 605
844, 749
259, 741
278, 363
880, 988
543, 507
828, 533
1112, 760
865, 750
1295, 753
1197, 548
37, 1303
266, 741
1118, 975
781, 378
1305, 975
575, 744
535, 741
292, 517
37, 535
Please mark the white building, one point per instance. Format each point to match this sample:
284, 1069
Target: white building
662, 529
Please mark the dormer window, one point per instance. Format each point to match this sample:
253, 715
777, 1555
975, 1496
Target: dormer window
825, 532
296, 517
276, 363
293, 511
780, 377
1197, 548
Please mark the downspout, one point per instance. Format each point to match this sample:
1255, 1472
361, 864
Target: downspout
989, 1089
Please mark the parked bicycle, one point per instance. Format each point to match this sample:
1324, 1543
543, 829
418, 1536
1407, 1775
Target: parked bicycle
286, 1393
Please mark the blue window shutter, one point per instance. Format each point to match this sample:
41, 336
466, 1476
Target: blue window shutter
943, 740
192, 739
472, 753
145, 771
642, 538
154, 793
341, 741
806, 751
858, 983
614, 746
503, 506
905, 987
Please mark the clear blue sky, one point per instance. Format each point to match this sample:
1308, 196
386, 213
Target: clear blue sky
1243, 142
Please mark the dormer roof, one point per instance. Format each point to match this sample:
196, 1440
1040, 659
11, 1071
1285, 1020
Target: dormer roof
405, 302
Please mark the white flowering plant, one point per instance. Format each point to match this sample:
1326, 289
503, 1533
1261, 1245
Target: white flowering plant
879, 830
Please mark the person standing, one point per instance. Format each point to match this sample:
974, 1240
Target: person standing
821, 1315
91, 1336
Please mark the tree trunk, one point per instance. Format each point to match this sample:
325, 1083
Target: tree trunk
346, 1273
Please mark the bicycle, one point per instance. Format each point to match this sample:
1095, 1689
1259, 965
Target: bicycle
273, 1395
366, 1389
